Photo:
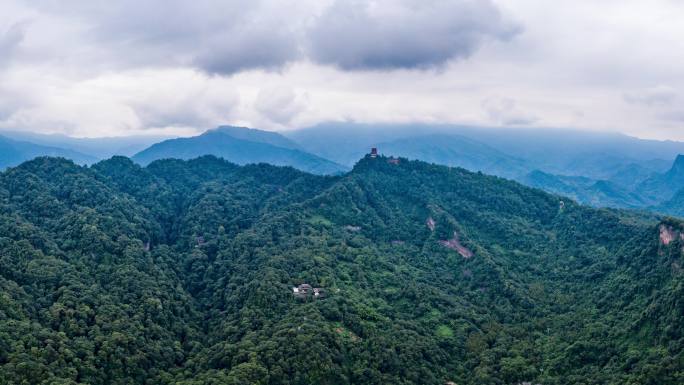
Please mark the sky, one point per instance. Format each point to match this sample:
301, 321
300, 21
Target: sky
111, 68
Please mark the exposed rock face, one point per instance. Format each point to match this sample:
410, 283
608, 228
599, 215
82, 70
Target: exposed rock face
667, 234
430, 224
455, 244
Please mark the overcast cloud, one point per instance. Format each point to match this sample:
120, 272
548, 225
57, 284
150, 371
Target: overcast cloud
96, 68
9, 42
386, 34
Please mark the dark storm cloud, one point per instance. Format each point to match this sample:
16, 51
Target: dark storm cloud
404, 34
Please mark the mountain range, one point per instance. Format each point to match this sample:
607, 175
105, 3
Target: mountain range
14, 152
98, 148
183, 272
599, 169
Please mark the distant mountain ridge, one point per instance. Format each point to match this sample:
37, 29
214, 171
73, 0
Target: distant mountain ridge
260, 136
13, 153
602, 170
585, 190
98, 148
568, 152
241, 146
662, 187
459, 151
599, 169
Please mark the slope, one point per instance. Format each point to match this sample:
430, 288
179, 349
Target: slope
14, 152
662, 187
558, 151
97, 148
181, 272
587, 191
223, 143
260, 136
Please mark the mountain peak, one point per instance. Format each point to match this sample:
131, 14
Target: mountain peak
678, 164
255, 135
241, 146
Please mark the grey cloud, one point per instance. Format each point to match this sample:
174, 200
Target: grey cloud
7, 107
226, 37
9, 41
505, 111
404, 34
168, 33
256, 48
675, 115
152, 21
656, 96
279, 104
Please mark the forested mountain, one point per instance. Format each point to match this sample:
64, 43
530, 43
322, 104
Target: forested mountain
241, 146
182, 272
14, 152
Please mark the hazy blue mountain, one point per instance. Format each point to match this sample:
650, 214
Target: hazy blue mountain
571, 152
599, 193
662, 187
456, 150
630, 186
261, 136
345, 142
566, 152
674, 206
594, 168
13, 152
630, 175
100, 148
230, 145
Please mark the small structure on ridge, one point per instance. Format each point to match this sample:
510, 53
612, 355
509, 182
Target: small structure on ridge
318, 292
374, 152
304, 291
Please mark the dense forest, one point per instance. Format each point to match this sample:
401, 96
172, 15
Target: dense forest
182, 272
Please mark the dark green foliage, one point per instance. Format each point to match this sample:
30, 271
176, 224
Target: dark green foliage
181, 272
